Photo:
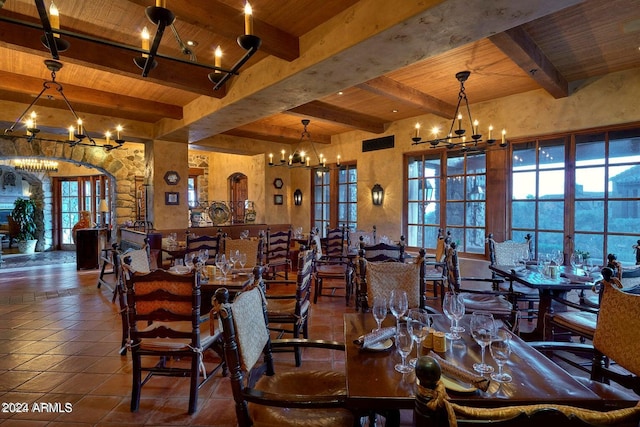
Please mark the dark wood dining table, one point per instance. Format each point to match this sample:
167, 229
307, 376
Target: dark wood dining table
547, 287
373, 384
234, 284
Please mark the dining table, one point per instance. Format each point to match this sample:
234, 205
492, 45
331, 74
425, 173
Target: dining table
566, 279
374, 386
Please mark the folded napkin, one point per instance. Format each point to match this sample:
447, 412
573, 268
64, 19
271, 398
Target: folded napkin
367, 340
577, 278
452, 371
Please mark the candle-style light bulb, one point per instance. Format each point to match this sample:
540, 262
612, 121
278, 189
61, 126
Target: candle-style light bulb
161, 3
435, 131
504, 133
338, 160
282, 155
80, 127
118, 131
71, 133
145, 41
33, 120
54, 18
475, 127
308, 161
490, 130
29, 126
107, 137
417, 130
459, 121
217, 54
270, 158
248, 19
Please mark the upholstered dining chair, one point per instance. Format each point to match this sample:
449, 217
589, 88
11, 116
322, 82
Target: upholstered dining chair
277, 252
380, 278
333, 265
433, 408
483, 294
263, 397
614, 351
289, 314
165, 331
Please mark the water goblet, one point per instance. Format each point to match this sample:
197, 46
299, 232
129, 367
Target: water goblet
418, 321
453, 307
225, 267
242, 259
398, 304
500, 348
221, 259
404, 345
482, 331
233, 257
379, 310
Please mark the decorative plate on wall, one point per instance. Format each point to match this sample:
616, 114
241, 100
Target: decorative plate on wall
171, 178
278, 183
219, 213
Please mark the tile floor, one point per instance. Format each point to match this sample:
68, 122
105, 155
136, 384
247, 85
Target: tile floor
59, 342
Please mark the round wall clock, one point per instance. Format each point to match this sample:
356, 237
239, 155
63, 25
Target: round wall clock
278, 183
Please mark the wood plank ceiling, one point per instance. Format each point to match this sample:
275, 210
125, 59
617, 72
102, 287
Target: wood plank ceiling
319, 60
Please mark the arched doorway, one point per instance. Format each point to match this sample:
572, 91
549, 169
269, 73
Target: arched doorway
238, 196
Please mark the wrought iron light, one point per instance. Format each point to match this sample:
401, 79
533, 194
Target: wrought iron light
301, 158
297, 197
456, 138
377, 194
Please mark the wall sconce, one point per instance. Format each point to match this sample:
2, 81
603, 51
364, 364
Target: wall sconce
297, 197
377, 194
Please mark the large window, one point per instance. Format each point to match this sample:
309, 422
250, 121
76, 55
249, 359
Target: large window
579, 193
463, 180
335, 198
81, 194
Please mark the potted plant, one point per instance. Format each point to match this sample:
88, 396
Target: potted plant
24, 215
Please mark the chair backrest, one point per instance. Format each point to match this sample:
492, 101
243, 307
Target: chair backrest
303, 282
163, 302
452, 266
383, 252
616, 334
135, 261
253, 249
441, 243
504, 253
359, 237
246, 339
212, 243
380, 278
334, 242
278, 243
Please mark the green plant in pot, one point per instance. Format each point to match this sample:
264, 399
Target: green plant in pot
24, 211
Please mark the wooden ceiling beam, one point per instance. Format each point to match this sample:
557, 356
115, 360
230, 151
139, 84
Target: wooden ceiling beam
218, 18
520, 47
275, 134
117, 60
119, 105
330, 113
384, 86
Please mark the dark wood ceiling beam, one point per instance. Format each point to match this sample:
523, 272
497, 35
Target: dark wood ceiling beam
228, 22
276, 134
78, 94
384, 86
117, 60
323, 111
520, 47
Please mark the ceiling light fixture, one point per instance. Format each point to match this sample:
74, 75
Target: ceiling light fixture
301, 158
35, 165
163, 17
456, 138
77, 135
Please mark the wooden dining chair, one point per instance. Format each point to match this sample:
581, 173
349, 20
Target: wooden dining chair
332, 270
210, 242
278, 248
263, 397
433, 408
165, 331
289, 314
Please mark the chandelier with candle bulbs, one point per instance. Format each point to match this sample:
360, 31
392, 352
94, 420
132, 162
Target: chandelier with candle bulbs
456, 138
304, 155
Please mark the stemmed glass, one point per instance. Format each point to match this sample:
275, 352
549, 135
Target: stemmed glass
398, 304
379, 310
203, 255
404, 345
500, 351
188, 259
222, 264
418, 321
233, 258
577, 261
242, 259
482, 330
453, 307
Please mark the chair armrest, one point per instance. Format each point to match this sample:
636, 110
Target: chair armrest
301, 342
577, 306
571, 347
280, 297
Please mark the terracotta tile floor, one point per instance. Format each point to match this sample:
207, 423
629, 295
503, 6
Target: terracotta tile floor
59, 343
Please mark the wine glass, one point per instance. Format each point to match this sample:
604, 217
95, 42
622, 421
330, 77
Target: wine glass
482, 330
500, 351
577, 261
453, 307
379, 310
188, 259
242, 259
233, 257
398, 304
404, 345
418, 321
225, 267
203, 255
221, 260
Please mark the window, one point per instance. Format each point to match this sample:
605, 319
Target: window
342, 184
464, 212
80, 194
592, 207
537, 193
